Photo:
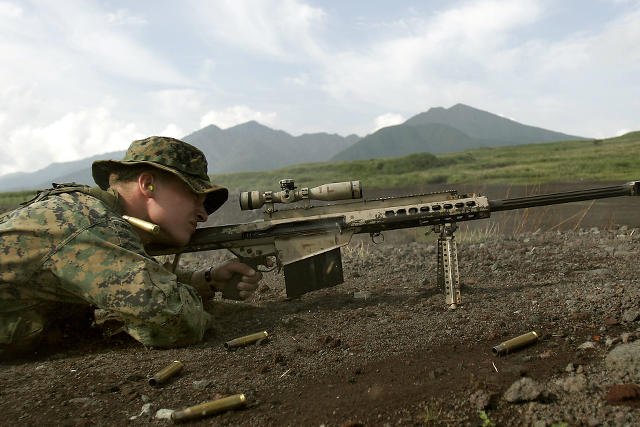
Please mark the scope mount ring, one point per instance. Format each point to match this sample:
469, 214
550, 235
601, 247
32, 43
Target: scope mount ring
287, 184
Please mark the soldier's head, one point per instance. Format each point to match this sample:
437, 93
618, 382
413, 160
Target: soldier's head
169, 183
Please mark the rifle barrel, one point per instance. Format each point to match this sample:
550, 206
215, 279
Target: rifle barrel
629, 189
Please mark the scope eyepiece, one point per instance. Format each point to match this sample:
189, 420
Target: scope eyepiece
327, 192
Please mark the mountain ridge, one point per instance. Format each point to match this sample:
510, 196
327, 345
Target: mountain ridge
252, 146
444, 130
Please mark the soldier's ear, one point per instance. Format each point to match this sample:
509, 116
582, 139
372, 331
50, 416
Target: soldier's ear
146, 184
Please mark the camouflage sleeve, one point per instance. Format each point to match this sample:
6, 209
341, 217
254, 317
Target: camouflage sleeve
184, 275
107, 266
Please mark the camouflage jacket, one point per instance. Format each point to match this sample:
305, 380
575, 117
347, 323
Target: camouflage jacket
74, 249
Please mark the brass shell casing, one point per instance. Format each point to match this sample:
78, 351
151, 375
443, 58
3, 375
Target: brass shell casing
246, 340
147, 226
515, 343
164, 374
209, 408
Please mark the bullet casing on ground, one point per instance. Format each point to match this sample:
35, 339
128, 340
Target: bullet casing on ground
209, 408
515, 343
246, 340
164, 374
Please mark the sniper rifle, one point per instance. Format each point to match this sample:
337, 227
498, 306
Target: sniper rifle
305, 240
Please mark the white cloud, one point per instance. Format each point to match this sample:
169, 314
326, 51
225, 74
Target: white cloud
173, 131
176, 102
10, 10
455, 47
279, 28
75, 135
299, 80
126, 18
236, 115
79, 38
609, 48
388, 119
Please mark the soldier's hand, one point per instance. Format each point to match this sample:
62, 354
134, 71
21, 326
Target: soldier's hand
234, 273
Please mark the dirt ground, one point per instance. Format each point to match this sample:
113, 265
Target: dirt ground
383, 348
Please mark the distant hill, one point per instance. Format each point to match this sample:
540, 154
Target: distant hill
441, 130
251, 147
255, 147
243, 148
76, 171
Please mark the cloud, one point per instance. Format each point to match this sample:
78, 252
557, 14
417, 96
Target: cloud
454, 47
176, 102
125, 18
73, 136
616, 45
388, 119
77, 43
236, 115
10, 10
299, 80
173, 131
283, 29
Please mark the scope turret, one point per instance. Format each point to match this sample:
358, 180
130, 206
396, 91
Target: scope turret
289, 193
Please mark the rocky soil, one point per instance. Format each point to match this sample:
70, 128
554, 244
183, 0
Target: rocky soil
382, 349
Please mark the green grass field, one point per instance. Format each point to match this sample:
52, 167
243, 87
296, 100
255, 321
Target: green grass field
613, 159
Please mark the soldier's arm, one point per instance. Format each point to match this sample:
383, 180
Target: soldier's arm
107, 267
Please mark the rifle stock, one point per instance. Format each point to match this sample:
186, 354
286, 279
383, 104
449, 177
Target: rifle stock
305, 241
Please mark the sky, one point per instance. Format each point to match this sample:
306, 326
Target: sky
83, 77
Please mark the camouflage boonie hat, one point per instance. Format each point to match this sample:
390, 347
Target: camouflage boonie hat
172, 155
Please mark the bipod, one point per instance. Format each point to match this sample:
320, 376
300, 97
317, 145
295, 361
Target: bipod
448, 274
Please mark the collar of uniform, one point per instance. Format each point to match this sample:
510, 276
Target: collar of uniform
109, 197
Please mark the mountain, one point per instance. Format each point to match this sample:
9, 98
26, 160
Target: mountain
77, 171
254, 147
441, 130
246, 147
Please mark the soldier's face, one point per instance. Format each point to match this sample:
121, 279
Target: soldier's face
176, 209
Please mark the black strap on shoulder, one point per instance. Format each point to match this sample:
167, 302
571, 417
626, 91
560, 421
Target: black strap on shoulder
56, 188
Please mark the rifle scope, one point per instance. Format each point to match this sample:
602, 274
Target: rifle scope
328, 192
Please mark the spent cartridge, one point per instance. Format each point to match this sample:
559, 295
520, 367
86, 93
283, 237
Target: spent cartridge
209, 408
515, 343
246, 340
147, 226
164, 374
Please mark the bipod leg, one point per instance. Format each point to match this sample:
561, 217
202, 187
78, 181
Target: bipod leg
448, 274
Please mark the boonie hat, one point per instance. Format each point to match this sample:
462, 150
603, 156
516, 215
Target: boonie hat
172, 155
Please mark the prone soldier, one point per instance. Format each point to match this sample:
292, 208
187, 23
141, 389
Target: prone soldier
70, 250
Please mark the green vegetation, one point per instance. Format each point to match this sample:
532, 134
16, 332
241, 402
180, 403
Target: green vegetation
11, 200
603, 160
598, 160
486, 421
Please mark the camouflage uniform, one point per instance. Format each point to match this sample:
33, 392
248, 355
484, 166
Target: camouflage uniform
70, 248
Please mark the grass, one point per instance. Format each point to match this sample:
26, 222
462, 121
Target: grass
534, 164
486, 421
12, 199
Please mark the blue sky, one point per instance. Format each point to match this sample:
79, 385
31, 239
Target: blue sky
83, 77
